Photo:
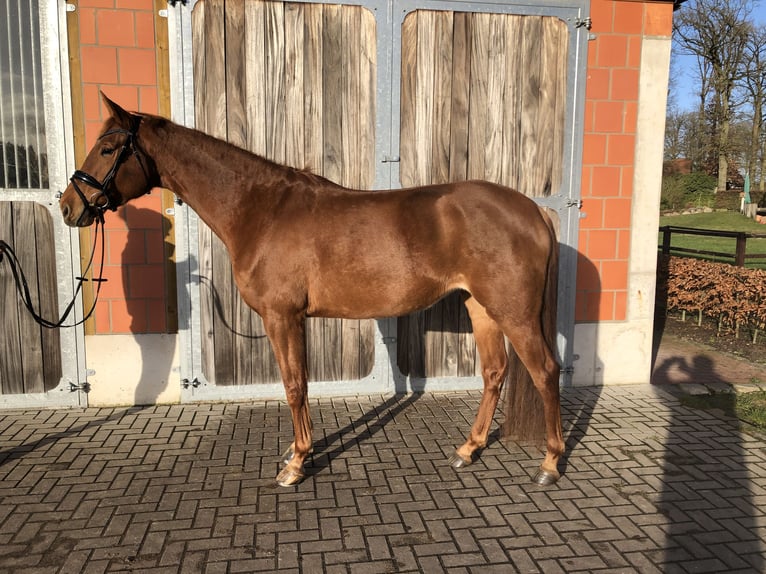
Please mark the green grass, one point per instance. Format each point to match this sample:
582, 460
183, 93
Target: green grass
725, 221
747, 407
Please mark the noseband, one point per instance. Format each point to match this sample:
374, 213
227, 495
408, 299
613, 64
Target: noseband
104, 189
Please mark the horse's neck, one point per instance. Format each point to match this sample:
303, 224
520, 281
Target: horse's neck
218, 181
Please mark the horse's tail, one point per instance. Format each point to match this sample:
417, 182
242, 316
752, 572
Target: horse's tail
524, 417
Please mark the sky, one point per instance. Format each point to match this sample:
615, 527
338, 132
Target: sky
683, 88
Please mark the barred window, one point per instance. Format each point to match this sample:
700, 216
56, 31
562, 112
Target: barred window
23, 157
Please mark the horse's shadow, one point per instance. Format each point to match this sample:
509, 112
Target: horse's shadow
329, 448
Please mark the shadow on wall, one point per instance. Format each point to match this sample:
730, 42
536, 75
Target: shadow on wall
577, 408
143, 268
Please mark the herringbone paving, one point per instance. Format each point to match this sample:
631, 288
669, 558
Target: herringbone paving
649, 486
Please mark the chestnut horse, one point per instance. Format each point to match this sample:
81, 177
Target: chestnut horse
302, 246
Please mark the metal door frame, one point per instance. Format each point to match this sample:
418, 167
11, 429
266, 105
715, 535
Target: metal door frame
60, 148
389, 16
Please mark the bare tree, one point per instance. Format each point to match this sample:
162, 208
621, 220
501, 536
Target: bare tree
754, 83
715, 32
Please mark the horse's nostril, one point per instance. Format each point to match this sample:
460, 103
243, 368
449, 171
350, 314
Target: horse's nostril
65, 211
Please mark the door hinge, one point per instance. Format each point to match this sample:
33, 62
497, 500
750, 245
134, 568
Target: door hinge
568, 370
84, 387
186, 383
574, 203
583, 23
70, 7
390, 159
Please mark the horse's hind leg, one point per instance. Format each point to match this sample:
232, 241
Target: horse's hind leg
530, 346
288, 340
490, 344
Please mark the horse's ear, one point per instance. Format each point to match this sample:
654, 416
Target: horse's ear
123, 118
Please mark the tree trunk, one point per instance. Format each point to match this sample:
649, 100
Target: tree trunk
723, 144
755, 139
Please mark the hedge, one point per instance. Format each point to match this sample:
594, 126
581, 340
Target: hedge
735, 297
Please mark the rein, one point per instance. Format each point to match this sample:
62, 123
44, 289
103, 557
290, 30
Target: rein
93, 206
22, 285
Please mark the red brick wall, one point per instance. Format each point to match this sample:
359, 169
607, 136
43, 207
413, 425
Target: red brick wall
118, 56
611, 109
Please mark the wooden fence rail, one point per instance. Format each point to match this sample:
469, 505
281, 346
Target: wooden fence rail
739, 255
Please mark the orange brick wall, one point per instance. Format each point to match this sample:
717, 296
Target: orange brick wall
117, 55
611, 111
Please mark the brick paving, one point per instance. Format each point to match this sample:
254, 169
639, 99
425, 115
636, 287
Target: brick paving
649, 486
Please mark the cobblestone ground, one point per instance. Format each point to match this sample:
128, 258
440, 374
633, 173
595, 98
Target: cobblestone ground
649, 486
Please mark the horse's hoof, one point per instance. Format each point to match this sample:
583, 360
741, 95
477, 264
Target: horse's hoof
289, 477
545, 477
457, 461
288, 456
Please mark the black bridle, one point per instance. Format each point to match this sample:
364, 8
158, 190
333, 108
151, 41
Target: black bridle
105, 198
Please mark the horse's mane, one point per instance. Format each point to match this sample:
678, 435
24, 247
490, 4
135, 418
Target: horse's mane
213, 143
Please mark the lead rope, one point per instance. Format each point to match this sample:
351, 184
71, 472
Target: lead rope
22, 286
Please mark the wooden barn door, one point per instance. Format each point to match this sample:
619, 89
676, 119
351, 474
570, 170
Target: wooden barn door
30, 355
483, 96
295, 83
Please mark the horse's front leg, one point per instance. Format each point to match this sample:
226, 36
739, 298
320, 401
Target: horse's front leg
287, 335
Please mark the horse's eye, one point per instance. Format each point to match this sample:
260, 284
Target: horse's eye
106, 150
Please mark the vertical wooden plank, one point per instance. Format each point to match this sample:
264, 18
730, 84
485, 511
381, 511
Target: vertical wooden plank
46, 272
496, 55
312, 86
205, 263
313, 20
11, 374
446, 346
466, 352
531, 181
215, 73
461, 83
367, 100
350, 41
351, 166
477, 113
367, 90
332, 123
236, 133
546, 116
558, 33
455, 311
407, 326
255, 80
235, 95
442, 96
26, 246
511, 153
216, 117
424, 90
425, 132
294, 87
332, 69
407, 133
264, 369
274, 81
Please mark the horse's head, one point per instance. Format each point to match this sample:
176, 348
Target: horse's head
115, 171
